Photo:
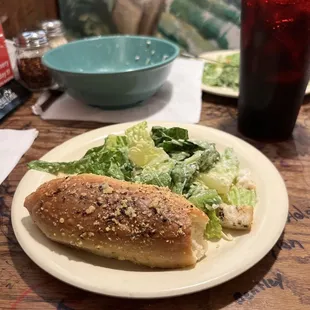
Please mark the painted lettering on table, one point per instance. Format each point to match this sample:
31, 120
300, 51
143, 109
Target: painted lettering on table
286, 245
298, 215
264, 284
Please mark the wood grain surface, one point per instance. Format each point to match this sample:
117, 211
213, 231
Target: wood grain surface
280, 281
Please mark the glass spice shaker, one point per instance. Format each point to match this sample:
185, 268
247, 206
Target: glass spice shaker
30, 47
55, 32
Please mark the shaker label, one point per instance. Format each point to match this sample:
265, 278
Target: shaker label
6, 98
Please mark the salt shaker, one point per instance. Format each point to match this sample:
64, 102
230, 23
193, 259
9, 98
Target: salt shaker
30, 47
55, 32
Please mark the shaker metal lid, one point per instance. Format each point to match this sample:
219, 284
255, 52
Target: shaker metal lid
35, 38
52, 27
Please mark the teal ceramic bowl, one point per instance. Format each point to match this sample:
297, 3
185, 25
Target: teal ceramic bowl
112, 72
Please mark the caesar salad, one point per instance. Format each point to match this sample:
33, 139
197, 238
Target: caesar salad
168, 157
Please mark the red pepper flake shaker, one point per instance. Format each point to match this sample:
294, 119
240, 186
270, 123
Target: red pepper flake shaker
30, 47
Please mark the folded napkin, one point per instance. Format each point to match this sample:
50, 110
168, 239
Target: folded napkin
178, 100
14, 144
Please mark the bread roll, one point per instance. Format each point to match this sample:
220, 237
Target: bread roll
144, 224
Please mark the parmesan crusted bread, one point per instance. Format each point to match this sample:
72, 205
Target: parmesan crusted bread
144, 224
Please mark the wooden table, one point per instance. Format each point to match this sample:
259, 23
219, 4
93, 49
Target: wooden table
280, 281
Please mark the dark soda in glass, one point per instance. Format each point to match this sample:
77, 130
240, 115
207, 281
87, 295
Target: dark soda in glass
275, 66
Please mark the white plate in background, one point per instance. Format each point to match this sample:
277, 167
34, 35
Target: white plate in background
225, 91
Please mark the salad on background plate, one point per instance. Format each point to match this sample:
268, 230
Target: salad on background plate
223, 78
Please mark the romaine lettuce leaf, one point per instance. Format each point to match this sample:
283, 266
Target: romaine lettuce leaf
208, 158
202, 197
73, 167
161, 134
110, 159
207, 200
110, 162
204, 144
113, 141
214, 227
182, 175
142, 150
174, 146
110, 142
240, 196
179, 156
157, 174
139, 133
222, 175
143, 154
184, 172
93, 152
116, 164
176, 139
173, 140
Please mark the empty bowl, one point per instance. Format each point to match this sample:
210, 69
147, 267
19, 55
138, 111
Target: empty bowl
112, 72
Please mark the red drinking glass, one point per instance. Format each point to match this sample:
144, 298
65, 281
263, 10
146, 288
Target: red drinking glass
275, 66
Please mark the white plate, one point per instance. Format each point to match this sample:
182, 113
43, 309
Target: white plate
225, 259
225, 91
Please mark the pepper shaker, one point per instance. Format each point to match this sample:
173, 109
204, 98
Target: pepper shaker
55, 32
30, 47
